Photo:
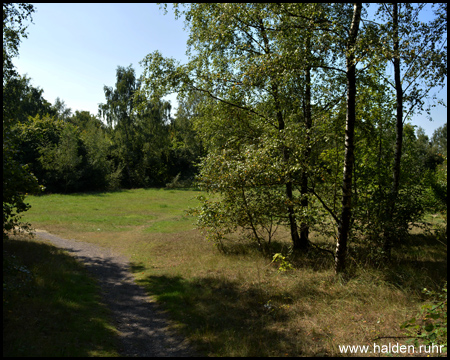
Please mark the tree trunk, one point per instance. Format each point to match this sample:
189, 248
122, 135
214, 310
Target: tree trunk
344, 224
388, 234
298, 243
304, 228
127, 156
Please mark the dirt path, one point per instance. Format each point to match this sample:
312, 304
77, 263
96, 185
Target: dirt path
143, 327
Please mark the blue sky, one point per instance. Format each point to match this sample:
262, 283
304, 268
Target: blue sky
73, 50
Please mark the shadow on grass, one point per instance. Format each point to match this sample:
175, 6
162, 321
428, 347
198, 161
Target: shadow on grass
181, 189
101, 193
142, 326
416, 275
419, 261
424, 239
221, 318
104, 193
315, 259
51, 307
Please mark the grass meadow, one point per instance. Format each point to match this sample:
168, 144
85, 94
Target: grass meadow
228, 304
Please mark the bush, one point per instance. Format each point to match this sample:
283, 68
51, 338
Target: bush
17, 182
430, 324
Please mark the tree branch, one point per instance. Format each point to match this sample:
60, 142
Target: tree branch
325, 250
311, 190
229, 103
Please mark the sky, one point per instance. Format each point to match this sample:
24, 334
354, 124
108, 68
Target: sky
73, 50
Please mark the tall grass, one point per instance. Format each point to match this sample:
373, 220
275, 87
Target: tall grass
238, 303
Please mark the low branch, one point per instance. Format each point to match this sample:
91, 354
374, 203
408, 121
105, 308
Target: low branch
329, 68
326, 250
229, 103
324, 205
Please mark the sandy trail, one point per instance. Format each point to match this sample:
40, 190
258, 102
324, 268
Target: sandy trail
143, 327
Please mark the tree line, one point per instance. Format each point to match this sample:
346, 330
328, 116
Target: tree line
132, 142
296, 114
122, 147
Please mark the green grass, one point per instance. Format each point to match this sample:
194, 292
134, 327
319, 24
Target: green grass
148, 209
239, 304
51, 307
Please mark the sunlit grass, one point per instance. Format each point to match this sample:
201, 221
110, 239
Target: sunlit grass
239, 303
117, 211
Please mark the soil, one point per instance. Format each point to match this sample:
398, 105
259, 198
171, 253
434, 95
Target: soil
144, 329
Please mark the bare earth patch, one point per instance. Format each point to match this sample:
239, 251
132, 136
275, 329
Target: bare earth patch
143, 327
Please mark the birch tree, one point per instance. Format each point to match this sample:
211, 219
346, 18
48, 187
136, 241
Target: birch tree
418, 53
241, 63
344, 223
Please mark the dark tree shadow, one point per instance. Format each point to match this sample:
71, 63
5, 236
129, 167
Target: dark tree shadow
216, 312
51, 308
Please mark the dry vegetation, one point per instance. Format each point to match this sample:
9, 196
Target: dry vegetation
240, 304
237, 302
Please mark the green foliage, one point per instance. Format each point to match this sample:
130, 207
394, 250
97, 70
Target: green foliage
429, 326
147, 144
22, 100
85, 121
436, 182
18, 181
35, 135
253, 121
424, 165
141, 147
61, 110
266, 77
373, 185
439, 140
114, 179
252, 197
14, 28
439, 186
212, 219
17, 178
283, 262
118, 111
96, 167
422, 48
186, 146
63, 156
62, 160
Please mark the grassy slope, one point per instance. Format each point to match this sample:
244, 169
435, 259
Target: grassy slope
239, 304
